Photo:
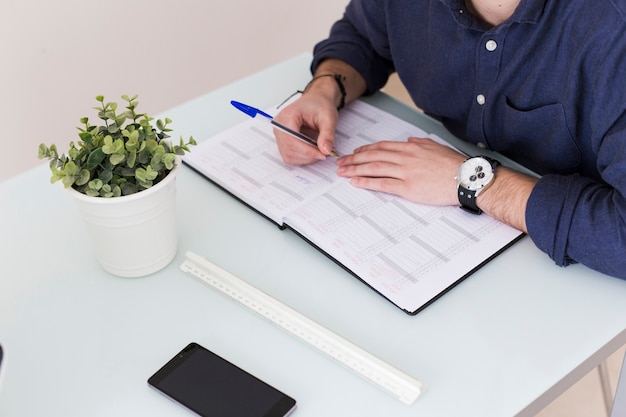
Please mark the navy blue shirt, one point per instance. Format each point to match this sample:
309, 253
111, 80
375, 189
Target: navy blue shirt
546, 88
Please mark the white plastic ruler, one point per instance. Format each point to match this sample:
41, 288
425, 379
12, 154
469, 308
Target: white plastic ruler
395, 382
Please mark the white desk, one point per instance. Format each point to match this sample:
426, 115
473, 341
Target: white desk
79, 342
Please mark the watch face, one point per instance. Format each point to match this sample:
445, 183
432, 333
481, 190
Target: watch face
475, 173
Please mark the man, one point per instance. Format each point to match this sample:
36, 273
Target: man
540, 81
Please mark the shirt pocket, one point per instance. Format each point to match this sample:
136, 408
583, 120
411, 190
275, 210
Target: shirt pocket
538, 138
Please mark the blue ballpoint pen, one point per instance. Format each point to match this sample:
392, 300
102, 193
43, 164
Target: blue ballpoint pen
253, 112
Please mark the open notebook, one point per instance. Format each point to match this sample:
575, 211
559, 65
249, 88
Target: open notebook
409, 253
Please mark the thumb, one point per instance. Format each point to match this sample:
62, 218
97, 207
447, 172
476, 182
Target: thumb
326, 140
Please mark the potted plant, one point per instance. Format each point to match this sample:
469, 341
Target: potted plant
122, 174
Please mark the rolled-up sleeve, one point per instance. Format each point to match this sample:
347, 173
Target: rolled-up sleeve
577, 219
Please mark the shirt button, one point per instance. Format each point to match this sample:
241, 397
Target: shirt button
481, 145
480, 99
491, 45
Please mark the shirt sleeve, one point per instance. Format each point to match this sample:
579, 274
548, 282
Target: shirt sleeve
360, 39
576, 219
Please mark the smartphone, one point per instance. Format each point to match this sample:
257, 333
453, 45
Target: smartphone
213, 387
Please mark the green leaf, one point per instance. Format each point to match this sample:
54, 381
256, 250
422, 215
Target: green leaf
83, 178
56, 175
126, 172
111, 146
129, 188
151, 145
53, 151
131, 159
67, 180
117, 158
70, 169
95, 184
43, 152
95, 158
91, 193
134, 136
156, 157
106, 191
151, 174
85, 136
168, 160
73, 152
106, 176
132, 145
140, 174
145, 175
120, 119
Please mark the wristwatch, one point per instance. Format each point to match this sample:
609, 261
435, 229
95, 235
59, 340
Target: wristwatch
473, 177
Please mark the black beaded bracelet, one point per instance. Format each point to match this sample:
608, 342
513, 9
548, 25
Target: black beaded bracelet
342, 89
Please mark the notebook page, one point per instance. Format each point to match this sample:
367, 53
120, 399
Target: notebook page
408, 252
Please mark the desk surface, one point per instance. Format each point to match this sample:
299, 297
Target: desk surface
80, 342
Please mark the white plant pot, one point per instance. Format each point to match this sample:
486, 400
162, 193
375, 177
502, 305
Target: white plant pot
133, 235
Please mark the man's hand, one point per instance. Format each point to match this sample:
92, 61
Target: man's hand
312, 111
419, 170
424, 171
317, 109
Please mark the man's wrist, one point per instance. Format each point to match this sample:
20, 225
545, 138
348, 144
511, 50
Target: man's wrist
339, 80
352, 81
507, 197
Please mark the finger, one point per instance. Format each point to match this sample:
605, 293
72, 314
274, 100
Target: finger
326, 140
386, 185
387, 145
373, 169
294, 151
371, 156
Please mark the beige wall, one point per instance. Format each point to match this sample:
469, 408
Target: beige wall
56, 56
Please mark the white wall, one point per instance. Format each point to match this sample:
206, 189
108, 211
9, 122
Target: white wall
56, 56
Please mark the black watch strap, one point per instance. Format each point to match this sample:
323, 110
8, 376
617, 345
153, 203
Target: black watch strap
467, 199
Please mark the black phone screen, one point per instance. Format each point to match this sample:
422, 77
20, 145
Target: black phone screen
213, 387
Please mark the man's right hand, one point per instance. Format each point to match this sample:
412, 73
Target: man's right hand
311, 111
316, 109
